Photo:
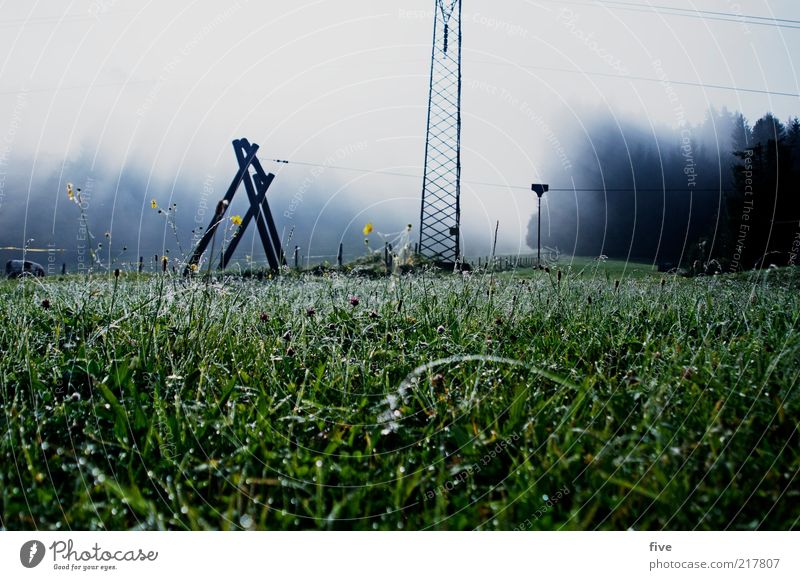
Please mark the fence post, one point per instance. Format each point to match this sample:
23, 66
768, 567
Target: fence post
297, 257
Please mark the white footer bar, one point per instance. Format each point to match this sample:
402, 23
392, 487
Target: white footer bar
401, 555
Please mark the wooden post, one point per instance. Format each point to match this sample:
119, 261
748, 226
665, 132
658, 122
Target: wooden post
297, 257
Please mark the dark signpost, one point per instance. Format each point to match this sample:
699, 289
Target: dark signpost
540, 189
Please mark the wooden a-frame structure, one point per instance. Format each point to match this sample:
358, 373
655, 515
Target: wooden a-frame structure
256, 186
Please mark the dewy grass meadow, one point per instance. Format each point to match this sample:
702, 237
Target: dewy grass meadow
414, 402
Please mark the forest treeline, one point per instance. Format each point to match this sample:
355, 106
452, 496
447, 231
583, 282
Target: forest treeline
723, 195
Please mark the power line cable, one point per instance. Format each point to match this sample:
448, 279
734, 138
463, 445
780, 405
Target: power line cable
490, 184
688, 13
640, 78
770, 19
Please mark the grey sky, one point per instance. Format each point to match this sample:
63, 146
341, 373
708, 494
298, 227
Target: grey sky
164, 87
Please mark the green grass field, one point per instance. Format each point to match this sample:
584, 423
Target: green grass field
421, 402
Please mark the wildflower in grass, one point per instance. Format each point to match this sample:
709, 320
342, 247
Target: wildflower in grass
287, 336
290, 351
374, 315
46, 304
440, 329
264, 317
164, 262
236, 220
116, 273
438, 380
311, 312
194, 267
368, 229
153, 203
354, 301
70, 192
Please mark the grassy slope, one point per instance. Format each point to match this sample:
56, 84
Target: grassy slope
161, 405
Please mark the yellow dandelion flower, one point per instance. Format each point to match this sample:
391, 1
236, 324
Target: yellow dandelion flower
153, 203
368, 229
193, 267
70, 193
236, 220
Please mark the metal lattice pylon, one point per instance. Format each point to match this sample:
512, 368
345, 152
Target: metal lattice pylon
439, 237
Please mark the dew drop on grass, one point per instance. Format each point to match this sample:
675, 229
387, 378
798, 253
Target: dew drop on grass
319, 463
184, 509
246, 521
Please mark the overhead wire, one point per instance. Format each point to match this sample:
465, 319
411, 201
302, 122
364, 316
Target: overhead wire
491, 184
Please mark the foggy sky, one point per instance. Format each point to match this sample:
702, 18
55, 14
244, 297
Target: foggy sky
141, 100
